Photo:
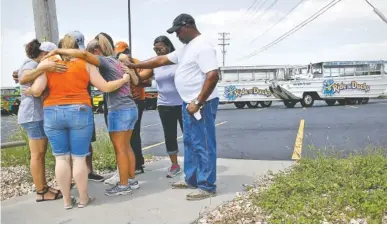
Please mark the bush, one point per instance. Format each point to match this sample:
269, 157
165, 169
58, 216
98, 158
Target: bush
329, 189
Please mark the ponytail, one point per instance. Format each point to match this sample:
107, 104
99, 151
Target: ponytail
106, 44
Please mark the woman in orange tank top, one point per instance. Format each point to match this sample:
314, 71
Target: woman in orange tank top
68, 118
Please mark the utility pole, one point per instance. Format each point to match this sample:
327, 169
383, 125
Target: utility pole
130, 29
223, 44
46, 23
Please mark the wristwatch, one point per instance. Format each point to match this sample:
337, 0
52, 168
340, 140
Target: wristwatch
196, 101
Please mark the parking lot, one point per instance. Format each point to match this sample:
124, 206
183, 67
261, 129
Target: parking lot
271, 133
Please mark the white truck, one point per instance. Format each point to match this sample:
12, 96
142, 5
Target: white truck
347, 82
247, 85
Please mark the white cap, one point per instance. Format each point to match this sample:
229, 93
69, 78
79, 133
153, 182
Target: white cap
47, 46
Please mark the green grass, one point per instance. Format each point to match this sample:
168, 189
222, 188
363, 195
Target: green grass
104, 158
328, 188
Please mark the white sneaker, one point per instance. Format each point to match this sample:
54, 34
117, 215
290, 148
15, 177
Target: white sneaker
114, 179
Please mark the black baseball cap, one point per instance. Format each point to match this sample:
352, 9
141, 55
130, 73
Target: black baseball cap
181, 20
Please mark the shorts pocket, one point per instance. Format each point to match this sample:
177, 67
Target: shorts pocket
81, 117
50, 117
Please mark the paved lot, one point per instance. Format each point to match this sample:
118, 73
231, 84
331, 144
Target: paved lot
270, 133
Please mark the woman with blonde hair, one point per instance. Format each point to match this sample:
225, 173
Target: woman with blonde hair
68, 118
122, 110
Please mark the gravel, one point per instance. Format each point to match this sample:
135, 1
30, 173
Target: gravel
241, 209
17, 181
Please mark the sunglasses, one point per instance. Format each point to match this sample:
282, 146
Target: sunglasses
161, 50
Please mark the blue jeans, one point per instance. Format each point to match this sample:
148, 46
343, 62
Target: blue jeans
200, 147
122, 119
35, 130
69, 129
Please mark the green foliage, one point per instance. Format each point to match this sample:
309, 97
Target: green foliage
329, 188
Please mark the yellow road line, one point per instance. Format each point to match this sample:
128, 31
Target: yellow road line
298, 145
160, 143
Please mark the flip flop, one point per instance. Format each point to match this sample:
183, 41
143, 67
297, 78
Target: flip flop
73, 201
91, 199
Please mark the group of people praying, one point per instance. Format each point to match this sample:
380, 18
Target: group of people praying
56, 107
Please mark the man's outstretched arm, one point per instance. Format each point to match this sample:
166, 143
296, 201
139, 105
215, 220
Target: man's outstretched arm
150, 63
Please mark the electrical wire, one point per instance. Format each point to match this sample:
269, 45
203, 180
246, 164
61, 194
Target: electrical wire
293, 30
270, 28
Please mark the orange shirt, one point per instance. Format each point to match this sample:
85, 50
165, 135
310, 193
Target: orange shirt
69, 87
137, 92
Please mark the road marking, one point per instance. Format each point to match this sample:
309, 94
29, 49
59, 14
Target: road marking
160, 143
350, 106
261, 109
298, 145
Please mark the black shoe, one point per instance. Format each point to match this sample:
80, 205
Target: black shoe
95, 177
139, 171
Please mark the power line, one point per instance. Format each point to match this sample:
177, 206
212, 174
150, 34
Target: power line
305, 22
257, 9
377, 12
223, 44
266, 10
255, 39
247, 12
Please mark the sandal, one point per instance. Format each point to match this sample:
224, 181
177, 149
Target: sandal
54, 190
73, 201
91, 199
58, 195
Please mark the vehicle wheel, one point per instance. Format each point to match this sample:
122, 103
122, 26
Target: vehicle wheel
289, 104
307, 100
330, 102
342, 101
240, 105
363, 101
252, 104
351, 101
266, 104
100, 107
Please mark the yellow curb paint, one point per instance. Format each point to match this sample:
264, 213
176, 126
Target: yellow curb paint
299, 140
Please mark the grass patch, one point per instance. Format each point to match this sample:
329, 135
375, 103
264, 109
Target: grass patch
104, 158
328, 188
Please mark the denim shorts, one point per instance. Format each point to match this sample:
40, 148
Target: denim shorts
122, 119
69, 129
34, 130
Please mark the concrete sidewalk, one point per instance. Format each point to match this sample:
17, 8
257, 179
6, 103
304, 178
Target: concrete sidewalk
154, 202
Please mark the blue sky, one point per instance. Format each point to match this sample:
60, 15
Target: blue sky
348, 31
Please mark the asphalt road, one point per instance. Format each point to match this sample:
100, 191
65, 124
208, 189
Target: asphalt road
271, 133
